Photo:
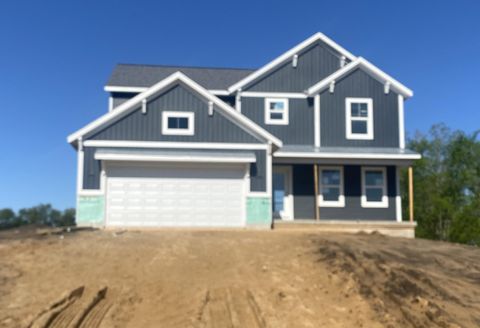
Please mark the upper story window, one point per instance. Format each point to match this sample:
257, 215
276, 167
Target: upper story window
374, 187
178, 123
359, 118
331, 187
276, 111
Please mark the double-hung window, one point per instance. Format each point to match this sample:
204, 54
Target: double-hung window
331, 187
178, 123
359, 118
276, 111
374, 187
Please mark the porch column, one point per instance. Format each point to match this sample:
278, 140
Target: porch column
315, 184
410, 192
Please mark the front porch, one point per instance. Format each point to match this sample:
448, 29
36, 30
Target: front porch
341, 194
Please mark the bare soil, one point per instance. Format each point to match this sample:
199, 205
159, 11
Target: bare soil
179, 278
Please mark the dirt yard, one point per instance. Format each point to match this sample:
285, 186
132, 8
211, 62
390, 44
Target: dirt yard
234, 279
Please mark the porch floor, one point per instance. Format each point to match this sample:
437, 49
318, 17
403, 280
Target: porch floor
390, 228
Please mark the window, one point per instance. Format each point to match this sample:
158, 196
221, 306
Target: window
331, 187
276, 111
374, 187
359, 118
178, 123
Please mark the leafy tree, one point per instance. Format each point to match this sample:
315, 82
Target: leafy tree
7, 217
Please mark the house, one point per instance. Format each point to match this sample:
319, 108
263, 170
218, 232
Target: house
314, 136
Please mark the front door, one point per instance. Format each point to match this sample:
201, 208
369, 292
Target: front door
282, 193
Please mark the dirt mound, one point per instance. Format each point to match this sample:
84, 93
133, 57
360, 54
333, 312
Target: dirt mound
408, 285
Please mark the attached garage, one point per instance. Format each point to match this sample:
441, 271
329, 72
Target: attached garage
174, 194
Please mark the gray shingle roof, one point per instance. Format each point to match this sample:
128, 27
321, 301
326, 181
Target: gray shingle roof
131, 75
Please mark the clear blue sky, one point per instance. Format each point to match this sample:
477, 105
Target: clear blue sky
57, 55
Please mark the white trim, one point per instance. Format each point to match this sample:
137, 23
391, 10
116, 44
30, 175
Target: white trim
114, 88
269, 169
348, 119
238, 101
110, 103
130, 104
167, 144
345, 155
258, 194
271, 121
173, 158
287, 56
219, 92
401, 122
189, 131
288, 210
384, 202
80, 165
381, 76
316, 119
398, 197
341, 198
291, 95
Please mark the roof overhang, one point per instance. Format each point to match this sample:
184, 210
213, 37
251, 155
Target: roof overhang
135, 155
369, 68
128, 89
132, 103
287, 56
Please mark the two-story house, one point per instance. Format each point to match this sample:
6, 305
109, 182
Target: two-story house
315, 135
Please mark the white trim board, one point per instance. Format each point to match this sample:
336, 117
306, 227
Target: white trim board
129, 105
345, 155
173, 158
374, 71
189, 131
129, 89
289, 54
255, 94
167, 144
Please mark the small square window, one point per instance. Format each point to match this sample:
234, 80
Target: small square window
178, 123
359, 118
276, 111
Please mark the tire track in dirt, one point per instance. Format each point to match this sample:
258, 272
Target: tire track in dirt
75, 310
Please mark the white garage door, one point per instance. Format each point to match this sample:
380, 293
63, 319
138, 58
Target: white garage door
175, 195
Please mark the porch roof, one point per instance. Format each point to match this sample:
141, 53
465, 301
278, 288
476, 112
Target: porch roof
370, 153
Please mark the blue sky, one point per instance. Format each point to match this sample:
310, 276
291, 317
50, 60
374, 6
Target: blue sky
57, 55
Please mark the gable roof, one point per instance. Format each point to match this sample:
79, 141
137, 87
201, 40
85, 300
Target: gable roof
287, 56
369, 68
140, 77
133, 103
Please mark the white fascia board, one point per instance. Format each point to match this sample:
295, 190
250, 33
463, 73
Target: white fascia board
369, 68
219, 92
346, 155
290, 95
171, 145
173, 158
287, 55
114, 88
177, 76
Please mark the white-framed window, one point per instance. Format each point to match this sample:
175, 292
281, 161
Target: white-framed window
374, 187
178, 123
276, 111
359, 118
331, 186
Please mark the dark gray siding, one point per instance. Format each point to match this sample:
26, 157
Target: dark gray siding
148, 127
303, 192
258, 170
385, 112
91, 169
299, 131
314, 64
121, 97
304, 199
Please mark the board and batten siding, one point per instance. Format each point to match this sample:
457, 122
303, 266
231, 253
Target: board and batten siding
299, 130
304, 196
314, 64
148, 127
358, 84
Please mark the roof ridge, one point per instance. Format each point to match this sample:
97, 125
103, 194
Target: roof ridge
187, 66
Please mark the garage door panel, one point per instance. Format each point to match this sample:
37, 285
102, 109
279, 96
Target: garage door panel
160, 195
